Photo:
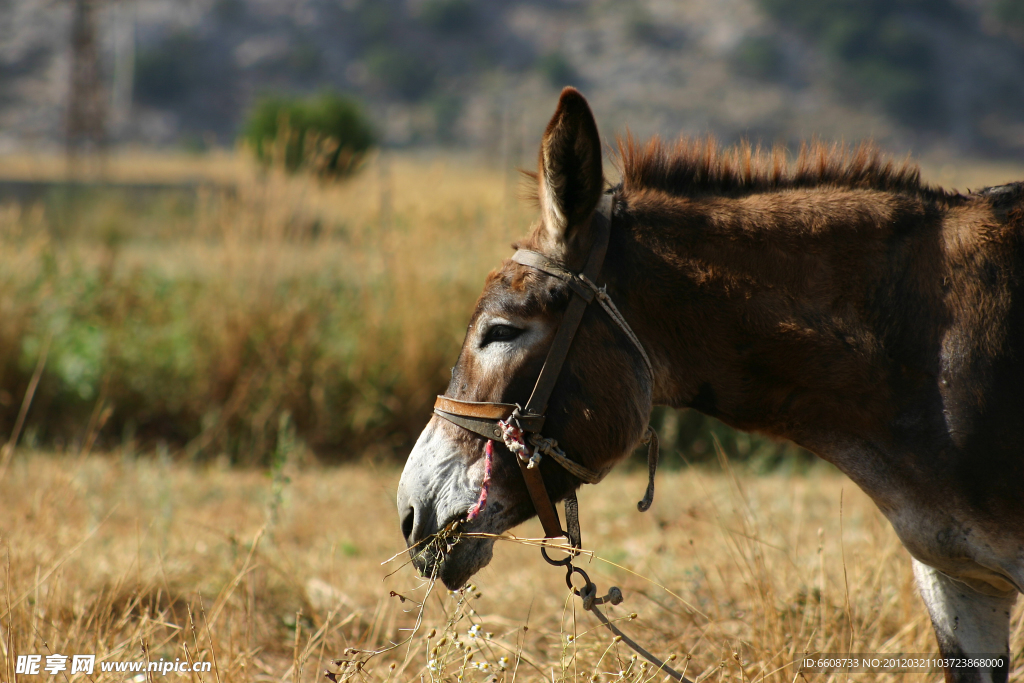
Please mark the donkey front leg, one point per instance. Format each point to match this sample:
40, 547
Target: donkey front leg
967, 624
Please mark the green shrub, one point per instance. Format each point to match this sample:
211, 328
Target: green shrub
374, 19
329, 134
642, 28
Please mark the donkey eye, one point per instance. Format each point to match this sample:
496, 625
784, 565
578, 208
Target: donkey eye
500, 333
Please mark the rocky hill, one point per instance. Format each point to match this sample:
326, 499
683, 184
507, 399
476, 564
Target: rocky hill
914, 74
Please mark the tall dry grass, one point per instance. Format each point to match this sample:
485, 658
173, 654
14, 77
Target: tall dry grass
201, 322
273, 578
196, 319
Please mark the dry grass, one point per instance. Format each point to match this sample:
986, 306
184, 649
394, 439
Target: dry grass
202, 323
273, 577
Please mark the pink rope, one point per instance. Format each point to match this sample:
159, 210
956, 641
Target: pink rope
515, 441
486, 485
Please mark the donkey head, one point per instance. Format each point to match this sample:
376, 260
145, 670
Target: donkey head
598, 409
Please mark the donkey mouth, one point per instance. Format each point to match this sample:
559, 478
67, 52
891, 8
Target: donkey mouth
451, 556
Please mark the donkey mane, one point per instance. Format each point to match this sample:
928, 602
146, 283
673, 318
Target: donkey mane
700, 166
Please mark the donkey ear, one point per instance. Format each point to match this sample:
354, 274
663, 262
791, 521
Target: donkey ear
571, 179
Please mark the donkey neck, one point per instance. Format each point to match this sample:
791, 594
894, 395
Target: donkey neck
758, 310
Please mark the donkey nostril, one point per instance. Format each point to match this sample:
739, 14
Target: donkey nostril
407, 524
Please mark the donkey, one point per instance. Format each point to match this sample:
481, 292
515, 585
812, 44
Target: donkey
839, 303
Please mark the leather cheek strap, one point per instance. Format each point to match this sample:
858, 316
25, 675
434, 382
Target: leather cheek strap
538, 403
546, 512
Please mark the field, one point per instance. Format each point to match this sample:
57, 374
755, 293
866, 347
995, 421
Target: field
178, 372
272, 577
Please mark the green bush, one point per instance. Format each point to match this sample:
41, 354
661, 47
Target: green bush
375, 20
446, 108
328, 134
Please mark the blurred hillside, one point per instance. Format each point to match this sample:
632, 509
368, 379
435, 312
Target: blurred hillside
915, 74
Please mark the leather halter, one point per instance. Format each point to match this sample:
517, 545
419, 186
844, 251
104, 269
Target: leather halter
483, 417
